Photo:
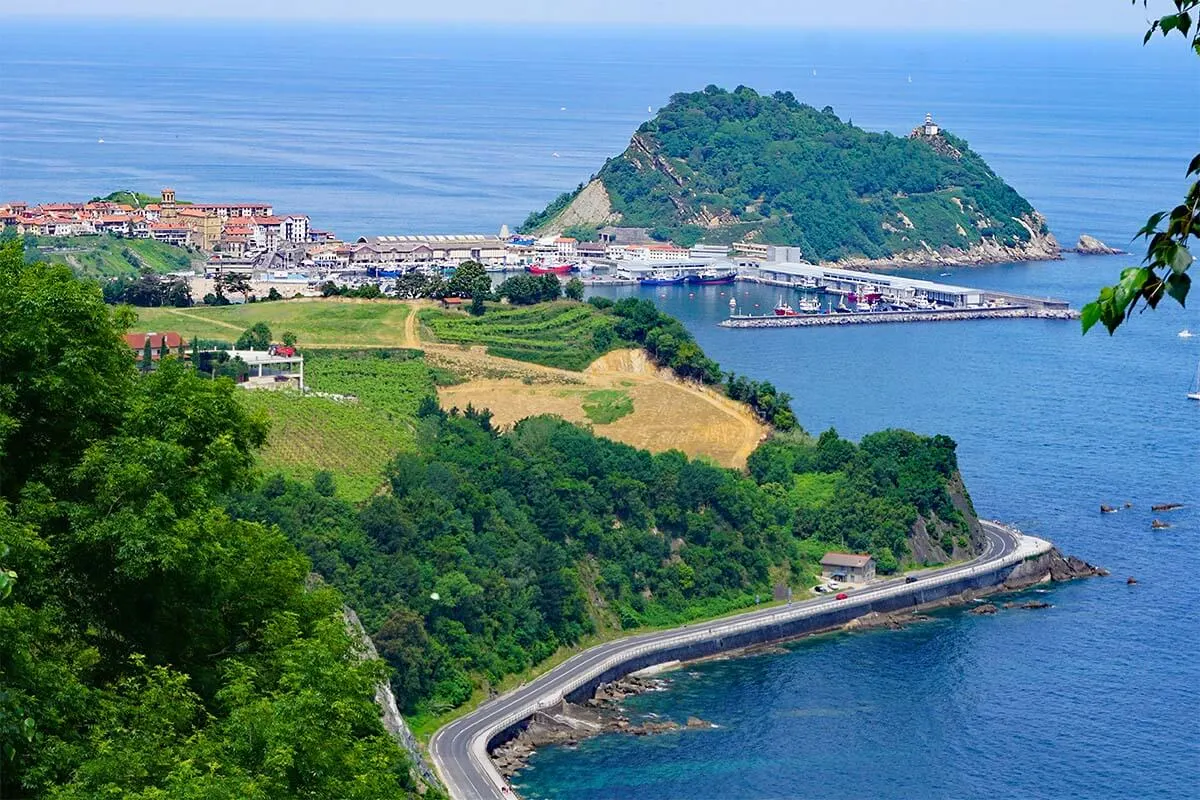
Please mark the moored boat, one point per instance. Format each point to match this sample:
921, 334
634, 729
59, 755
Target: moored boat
559, 269
712, 277
1194, 394
662, 278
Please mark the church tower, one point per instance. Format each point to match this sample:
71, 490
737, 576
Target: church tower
167, 206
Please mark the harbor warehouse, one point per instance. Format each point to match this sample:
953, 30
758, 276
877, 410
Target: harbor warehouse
848, 567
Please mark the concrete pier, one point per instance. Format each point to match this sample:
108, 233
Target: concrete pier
881, 317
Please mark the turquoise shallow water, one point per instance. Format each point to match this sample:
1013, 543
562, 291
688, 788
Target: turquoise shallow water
438, 130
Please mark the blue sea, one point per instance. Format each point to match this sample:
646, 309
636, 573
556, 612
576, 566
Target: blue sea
419, 129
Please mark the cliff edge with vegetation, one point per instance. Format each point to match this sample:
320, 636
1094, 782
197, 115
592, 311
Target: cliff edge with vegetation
718, 166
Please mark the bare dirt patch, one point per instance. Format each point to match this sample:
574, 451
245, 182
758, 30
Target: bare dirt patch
667, 413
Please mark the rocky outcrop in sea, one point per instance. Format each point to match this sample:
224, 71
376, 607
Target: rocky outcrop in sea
1091, 246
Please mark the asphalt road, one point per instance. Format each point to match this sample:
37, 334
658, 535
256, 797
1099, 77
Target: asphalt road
459, 750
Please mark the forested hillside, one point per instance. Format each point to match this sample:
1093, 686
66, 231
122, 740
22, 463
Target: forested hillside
151, 646
720, 166
493, 550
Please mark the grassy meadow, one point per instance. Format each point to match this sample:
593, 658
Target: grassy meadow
317, 322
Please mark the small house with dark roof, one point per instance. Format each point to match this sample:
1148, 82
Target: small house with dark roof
849, 567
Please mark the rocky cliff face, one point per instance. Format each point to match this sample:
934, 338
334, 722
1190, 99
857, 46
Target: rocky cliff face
1041, 246
935, 541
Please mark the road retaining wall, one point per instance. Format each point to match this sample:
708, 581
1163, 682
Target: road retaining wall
708, 639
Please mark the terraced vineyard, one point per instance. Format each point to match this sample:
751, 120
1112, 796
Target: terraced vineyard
566, 335
353, 437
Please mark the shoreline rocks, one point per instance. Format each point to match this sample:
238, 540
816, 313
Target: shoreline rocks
1051, 567
568, 724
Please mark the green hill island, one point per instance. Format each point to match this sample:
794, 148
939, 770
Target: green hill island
721, 167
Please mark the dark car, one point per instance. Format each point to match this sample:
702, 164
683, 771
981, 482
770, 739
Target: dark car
842, 596
910, 579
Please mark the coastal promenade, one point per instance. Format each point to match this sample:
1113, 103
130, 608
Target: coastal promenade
460, 749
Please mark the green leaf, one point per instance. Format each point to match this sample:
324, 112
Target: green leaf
1181, 260
1168, 23
1194, 166
1089, 315
1178, 285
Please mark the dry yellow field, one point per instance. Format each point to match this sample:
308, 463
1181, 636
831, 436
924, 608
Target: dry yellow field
667, 413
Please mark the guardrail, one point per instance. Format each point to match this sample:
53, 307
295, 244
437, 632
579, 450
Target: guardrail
721, 630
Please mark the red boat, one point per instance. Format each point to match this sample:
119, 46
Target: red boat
561, 269
785, 310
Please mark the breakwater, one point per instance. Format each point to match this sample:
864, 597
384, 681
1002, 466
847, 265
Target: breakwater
886, 317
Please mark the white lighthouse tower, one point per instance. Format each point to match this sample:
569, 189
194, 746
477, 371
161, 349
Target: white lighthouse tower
931, 128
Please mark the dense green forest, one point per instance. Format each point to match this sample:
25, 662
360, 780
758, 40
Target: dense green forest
719, 166
491, 550
152, 646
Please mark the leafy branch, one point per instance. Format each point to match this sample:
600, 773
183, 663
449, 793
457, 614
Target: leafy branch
1164, 270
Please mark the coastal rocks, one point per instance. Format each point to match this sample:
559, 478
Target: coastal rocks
1035, 604
1041, 246
1091, 246
1166, 506
1107, 509
567, 724
1159, 525
895, 621
1052, 566
984, 609
1131, 581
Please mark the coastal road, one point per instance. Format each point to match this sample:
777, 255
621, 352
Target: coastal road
459, 749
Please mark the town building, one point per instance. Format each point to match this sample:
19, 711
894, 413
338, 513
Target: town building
447, 248
276, 368
615, 235
137, 344
656, 252
848, 567
565, 247
174, 233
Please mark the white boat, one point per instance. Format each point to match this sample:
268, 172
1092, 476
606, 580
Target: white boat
1194, 394
1185, 334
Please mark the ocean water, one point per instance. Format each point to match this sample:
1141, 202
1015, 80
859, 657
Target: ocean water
418, 129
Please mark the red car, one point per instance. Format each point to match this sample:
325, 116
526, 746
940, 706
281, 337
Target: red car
842, 596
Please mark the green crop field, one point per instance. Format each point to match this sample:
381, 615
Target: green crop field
308, 434
109, 256
316, 322
352, 438
563, 334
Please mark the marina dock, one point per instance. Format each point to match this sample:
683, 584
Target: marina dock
882, 317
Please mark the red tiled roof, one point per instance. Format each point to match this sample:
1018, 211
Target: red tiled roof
137, 341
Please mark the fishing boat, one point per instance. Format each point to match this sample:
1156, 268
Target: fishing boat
809, 305
662, 278
712, 277
782, 309
1194, 394
841, 307
541, 269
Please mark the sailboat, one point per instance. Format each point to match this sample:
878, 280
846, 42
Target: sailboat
1194, 394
